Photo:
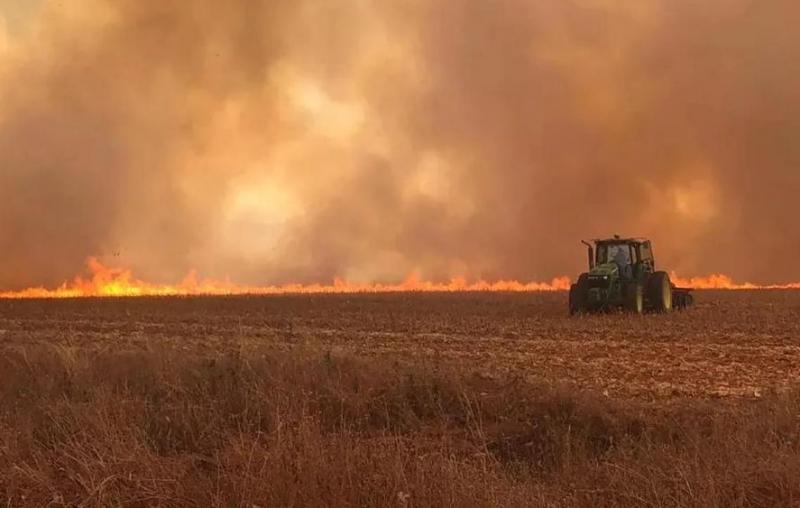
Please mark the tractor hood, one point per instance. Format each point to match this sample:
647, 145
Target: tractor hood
605, 270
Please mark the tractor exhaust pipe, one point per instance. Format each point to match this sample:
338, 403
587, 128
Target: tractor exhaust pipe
590, 252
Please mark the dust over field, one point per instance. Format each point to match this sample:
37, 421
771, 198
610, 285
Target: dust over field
465, 399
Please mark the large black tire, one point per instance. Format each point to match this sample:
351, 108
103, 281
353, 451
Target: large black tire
578, 294
659, 292
634, 298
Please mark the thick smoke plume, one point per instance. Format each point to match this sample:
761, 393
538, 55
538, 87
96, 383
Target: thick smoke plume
274, 141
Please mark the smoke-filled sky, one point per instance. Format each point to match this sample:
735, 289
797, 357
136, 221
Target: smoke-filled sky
273, 141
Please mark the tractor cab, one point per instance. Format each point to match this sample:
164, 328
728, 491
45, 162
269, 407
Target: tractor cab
631, 258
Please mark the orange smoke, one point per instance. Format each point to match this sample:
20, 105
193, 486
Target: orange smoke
106, 281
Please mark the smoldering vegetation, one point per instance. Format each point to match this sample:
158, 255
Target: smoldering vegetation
272, 141
84, 427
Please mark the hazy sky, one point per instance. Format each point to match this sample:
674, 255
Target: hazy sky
275, 141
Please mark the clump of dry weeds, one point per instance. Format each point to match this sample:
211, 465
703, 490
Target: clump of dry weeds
162, 428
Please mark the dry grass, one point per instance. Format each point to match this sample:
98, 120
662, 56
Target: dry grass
82, 427
733, 344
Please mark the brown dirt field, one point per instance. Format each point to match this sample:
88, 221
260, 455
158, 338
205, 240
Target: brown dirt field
399, 400
731, 344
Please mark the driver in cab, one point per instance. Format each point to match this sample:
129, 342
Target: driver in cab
622, 259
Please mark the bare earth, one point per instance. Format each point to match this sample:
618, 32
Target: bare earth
739, 343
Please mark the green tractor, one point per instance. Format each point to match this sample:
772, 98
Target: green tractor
622, 274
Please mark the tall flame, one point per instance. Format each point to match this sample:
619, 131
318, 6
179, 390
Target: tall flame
106, 281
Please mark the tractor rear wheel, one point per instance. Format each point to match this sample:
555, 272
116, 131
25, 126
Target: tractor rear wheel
634, 298
578, 294
659, 292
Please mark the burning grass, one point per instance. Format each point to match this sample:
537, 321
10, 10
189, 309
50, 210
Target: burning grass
256, 427
106, 281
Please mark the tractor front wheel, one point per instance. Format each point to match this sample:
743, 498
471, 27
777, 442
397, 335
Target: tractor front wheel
634, 299
659, 292
578, 294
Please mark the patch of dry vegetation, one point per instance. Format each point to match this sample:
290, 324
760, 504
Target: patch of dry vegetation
260, 428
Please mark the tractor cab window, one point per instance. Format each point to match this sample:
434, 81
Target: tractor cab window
647, 252
619, 253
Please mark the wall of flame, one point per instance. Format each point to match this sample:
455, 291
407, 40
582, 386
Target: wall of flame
103, 281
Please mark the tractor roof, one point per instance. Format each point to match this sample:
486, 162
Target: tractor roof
618, 239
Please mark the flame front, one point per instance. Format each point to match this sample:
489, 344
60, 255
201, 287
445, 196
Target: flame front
719, 281
106, 281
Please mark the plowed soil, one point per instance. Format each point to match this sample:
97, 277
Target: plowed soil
731, 344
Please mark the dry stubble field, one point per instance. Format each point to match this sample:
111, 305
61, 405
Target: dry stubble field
399, 400
733, 343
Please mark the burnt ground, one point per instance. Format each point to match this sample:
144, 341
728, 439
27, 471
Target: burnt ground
731, 344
